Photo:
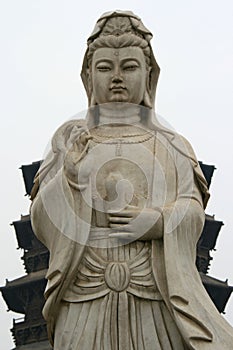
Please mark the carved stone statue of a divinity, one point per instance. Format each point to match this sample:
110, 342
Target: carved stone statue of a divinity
119, 202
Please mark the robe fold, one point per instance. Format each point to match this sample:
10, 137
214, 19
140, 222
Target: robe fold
61, 219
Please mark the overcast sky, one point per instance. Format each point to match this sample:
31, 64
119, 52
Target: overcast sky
42, 46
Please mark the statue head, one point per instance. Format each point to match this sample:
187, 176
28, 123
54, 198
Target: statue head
119, 65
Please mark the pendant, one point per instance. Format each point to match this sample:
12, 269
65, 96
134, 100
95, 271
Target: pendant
118, 149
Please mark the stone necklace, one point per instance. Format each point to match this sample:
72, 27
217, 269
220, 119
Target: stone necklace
121, 138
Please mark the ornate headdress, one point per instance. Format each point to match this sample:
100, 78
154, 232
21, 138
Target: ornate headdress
120, 24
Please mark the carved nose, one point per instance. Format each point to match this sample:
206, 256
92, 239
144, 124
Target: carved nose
117, 78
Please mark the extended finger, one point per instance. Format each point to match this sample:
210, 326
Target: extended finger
85, 137
116, 226
119, 219
123, 227
121, 235
75, 133
122, 213
131, 207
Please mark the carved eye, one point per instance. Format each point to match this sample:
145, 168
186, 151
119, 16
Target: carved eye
103, 68
130, 66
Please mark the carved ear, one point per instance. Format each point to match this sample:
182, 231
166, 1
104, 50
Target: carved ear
147, 100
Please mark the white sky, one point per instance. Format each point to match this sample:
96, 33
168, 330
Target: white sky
42, 43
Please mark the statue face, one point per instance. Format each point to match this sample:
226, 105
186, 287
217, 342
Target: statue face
119, 75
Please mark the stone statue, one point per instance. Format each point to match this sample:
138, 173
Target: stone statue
119, 202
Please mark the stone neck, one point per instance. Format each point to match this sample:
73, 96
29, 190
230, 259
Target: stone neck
115, 116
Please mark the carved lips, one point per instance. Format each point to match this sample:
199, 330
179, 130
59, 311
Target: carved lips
117, 88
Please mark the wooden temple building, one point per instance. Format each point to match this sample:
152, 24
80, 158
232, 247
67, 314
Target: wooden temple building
24, 295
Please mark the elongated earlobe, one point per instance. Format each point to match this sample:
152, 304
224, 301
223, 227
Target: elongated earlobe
92, 100
147, 100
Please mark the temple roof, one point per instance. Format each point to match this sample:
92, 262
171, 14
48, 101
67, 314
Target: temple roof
42, 345
219, 291
210, 232
207, 242
29, 171
13, 294
21, 281
208, 171
24, 234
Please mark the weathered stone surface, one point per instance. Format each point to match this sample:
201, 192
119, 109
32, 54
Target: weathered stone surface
119, 202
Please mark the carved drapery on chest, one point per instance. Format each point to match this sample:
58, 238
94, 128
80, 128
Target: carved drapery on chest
122, 173
117, 180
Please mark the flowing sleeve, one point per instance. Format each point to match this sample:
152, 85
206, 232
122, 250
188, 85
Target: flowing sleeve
60, 219
200, 324
56, 210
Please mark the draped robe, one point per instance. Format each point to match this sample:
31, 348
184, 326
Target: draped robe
61, 217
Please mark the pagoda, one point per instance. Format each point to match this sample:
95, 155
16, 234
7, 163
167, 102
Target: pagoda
24, 295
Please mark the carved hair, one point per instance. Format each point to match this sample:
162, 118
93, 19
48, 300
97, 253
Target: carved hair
118, 32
